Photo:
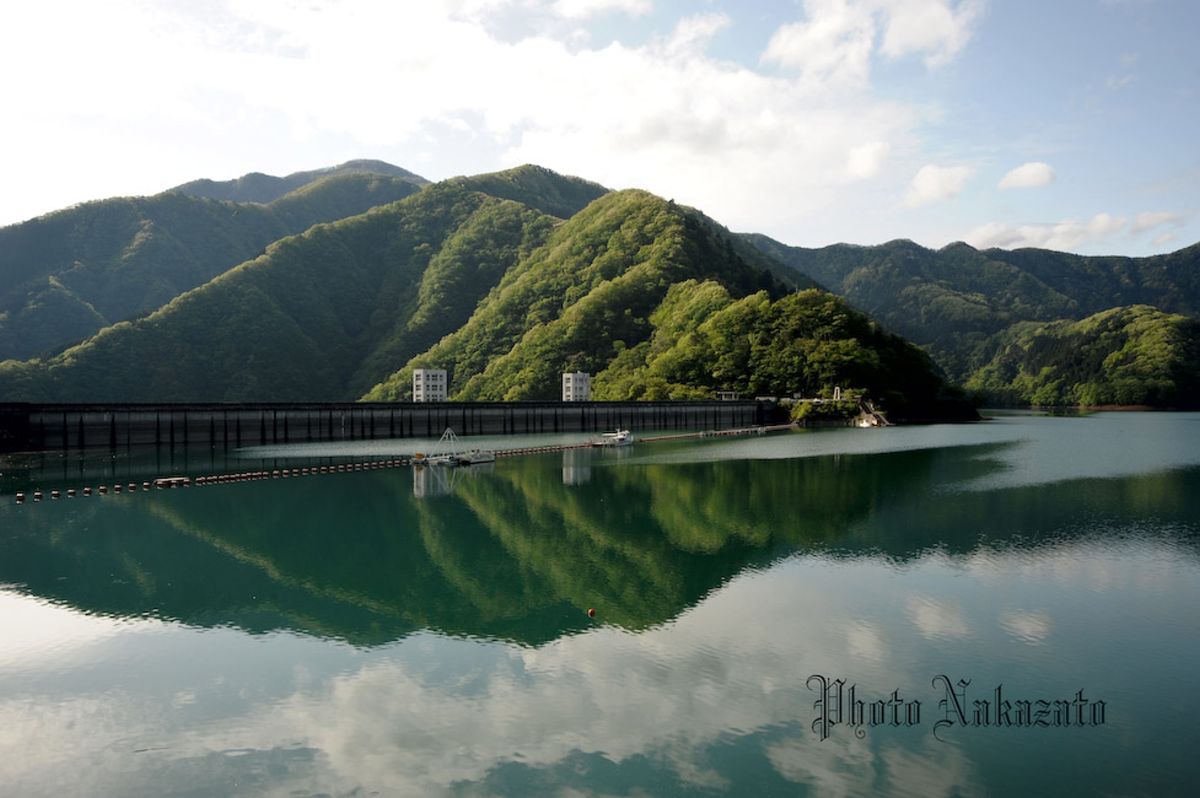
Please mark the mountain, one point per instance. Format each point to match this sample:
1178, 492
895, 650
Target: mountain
538, 187
307, 318
67, 275
257, 187
953, 301
503, 294
704, 340
1135, 355
584, 298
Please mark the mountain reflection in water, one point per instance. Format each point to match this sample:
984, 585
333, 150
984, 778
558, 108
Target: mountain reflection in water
517, 552
397, 633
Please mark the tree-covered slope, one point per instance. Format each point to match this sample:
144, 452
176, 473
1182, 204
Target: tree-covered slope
500, 290
1135, 355
580, 299
257, 187
66, 275
311, 317
953, 300
655, 301
539, 188
806, 342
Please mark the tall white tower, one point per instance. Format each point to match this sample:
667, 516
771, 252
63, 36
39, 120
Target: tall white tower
576, 386
429, 385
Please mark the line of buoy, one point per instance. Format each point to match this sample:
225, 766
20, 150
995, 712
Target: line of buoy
341, 468
166, 483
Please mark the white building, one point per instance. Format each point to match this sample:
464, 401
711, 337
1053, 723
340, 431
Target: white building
429, 385
577, 386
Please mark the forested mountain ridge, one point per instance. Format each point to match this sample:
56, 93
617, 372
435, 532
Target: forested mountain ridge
261, 188
581, 298
655, 301
704, 340
538, 187
302, 320
68, 274
953, 300
1123, 356
502, 294
507, 279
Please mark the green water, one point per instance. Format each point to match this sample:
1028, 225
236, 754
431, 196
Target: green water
398, 633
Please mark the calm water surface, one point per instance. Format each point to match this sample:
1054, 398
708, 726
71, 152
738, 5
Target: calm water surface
426, 633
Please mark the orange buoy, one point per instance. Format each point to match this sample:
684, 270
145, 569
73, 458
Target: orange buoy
591, 612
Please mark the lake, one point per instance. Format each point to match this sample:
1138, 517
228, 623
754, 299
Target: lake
1004, 608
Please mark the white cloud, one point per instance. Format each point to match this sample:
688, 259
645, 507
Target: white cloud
938, 29
692, 34
1066, 235
936, 183
580, 9
750, 148
836, 40
867, 159
1028, 175
1152, 219
833, 45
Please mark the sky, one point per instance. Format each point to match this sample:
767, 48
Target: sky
1070, 124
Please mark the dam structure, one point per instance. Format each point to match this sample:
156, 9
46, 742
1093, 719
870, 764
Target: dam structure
29, 427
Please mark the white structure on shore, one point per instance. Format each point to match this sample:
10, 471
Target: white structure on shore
576, 386
429, 385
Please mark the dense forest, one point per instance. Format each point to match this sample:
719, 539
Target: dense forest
336, 283
1124, 356
980, 312
500, 291
805, 342
582, 299
311, 317
69, 274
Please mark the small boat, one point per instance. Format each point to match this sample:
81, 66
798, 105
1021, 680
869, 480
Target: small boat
619, 438
476, 456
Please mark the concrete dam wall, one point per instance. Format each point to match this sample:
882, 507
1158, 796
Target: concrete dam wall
33, 427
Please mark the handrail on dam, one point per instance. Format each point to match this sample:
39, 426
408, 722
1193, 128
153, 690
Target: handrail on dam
47, 427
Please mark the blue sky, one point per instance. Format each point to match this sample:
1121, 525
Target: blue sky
1066, 124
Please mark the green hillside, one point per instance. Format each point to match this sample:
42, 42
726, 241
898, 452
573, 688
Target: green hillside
1135, 355
805, 342
66, 275
656, 302
504, 295
308, 319
257, 187
539, 188
953, 301
582, 299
